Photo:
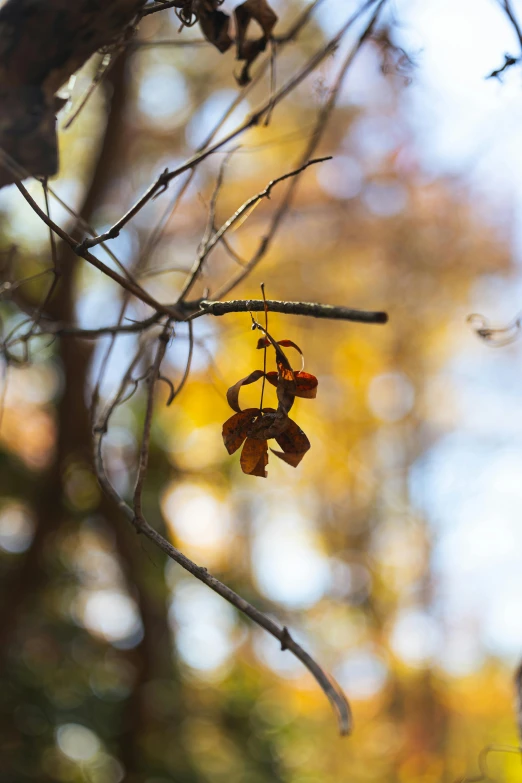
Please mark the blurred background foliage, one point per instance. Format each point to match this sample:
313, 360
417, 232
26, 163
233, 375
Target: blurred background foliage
116, 665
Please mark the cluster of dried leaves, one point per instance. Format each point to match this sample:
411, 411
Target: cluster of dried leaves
254, 427
68, 33
215, 25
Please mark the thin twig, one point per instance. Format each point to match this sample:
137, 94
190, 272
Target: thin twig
106, 64
147, 426
130, 285
328, 685
286, 38
188, 365
243, 210
506, 4
509, 60
310, 149
162, 182
162, 5
174, 43
192, 310
56, 271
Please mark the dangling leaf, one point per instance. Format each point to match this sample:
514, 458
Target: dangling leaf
285, 393
254, 457
248, 50
281, 359
290, 344
233, 392
260, 11
214, 26
264, 342
269, 425
305, 383
236, 428
294, 443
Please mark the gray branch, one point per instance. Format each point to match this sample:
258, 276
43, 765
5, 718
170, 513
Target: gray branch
310, 309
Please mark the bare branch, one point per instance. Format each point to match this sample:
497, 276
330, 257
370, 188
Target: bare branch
159, 5
310, 309
145, 441
162, 182
309, 151
240, 213
128, 283
509, 60
200, 307
328, 685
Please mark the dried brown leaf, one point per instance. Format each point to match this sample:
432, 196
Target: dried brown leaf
294, 443
236, 428
260, 11
248, 50
269, 425
214, 26
264, 342
233, 392
254, 457
305, 383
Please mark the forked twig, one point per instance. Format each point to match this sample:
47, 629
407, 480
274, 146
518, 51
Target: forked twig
238, 215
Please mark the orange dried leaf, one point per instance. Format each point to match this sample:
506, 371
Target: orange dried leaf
233, 392
289, 344
306, 385
294, 443
254, 457
235, 429
264, 342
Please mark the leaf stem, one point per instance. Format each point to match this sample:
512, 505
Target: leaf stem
264, 350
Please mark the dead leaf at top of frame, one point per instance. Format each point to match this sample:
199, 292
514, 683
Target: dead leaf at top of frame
249, 49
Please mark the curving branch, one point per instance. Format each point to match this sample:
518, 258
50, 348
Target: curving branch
331, 689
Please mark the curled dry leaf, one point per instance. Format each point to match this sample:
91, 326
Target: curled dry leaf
254, 457
233, 392
269, 425
281, 358
248, 50
264, 342
253, 427
215, 25
235, 429
294, 443
298, 384
305, 383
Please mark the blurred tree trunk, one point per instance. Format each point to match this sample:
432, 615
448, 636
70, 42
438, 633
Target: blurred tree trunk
151, 658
